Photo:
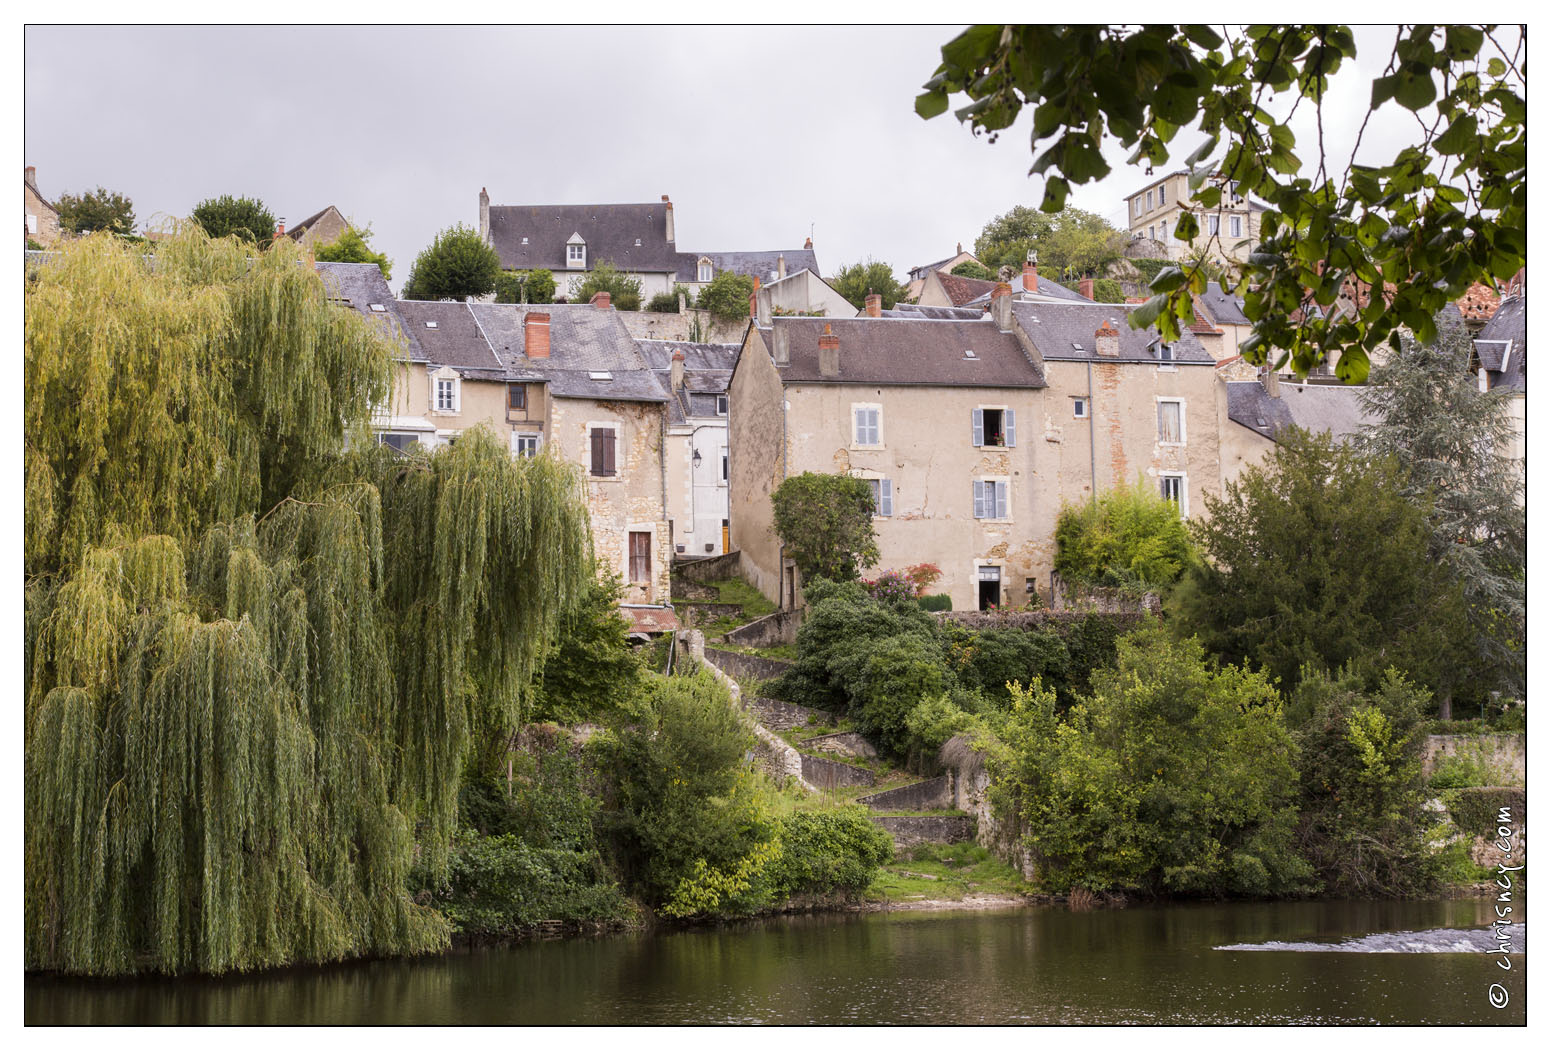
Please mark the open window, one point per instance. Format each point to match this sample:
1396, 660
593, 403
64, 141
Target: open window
992, 427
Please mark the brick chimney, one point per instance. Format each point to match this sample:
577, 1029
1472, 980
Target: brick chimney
1031, 272
754, 300
781, 352
280, 228
667, 211
874, 305
829, 353
1085, 286
808, 243
535, 334
484, 215
1106, 341
31, 176
676, 370
1001, 306
600, 300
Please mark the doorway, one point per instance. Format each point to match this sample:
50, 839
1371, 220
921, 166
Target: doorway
990, 583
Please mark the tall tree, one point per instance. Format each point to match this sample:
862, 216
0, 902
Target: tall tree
825, 523
256, 662
727, 296
1433, 416
624, 291
1448, 210
859, 280
352, 246
242, 217
457, 265
94, 210
1071, 242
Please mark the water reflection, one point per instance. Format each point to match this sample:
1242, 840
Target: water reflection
1154, 964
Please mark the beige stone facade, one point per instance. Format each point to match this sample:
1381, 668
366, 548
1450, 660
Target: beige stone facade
1226, 231
40, 221
320, 229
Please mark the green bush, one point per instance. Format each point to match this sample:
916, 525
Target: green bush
1129, 537
1459, 771
826, 852
988, 660
591, 670
727, 296
663, 303
624, 291
525, 286
936, 603
970, 268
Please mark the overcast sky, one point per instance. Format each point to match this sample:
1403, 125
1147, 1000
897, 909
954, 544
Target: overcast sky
759, 135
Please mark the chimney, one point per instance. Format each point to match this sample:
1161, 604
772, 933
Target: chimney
781, 353
1001, 306
484, 215
780, 267
874, 305
1031, 272
1106, 341
958, 249
808, 243
829, 353
1085, 286
667, 211
1270, 380
754, 300
600, 300
535, 334
32, 176
676, 370
280, 228
762, 308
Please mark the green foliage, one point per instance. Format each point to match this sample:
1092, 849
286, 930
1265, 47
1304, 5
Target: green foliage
624, 291
1105, 290
857, 281
1459, 771
1172, 777
988, 660
1150, 268
457, 265
352, 246
1072, 242
727, 296
1474, 811
970, 268
1130, 536
235, 727
663, 303
591, 670
827, 852
936, 603
825, 523
525, 286
1316, 557
94, 210
1363, 825
245, 218
1448, 209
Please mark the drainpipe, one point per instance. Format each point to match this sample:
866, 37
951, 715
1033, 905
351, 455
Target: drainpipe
1093, 476
781, 560
662, 463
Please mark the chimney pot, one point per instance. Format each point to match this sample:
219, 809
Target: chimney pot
1030, 274
808, 243
874, 305
600, 300
535, 328
665, 199
1106, 341
280, 228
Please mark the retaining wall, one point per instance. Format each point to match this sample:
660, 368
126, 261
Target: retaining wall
1501, 754
848, 743
700, 614
826, 773
779, 715
746, 665
1027, 619
909, 831
704, 570
936, 794
775, 629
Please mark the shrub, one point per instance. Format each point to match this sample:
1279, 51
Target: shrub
824, 852
970, 268
936, 603
624, 291
825, 521
663, 303
727, 296
988, 660
1127, 537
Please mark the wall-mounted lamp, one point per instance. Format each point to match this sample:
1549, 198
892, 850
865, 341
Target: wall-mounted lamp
696, 459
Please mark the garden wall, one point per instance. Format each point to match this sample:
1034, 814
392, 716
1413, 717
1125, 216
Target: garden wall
1502, 754
776, 629
936, 794
908, 831
746, 665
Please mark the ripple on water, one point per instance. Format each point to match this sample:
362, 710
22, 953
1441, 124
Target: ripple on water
1443, 939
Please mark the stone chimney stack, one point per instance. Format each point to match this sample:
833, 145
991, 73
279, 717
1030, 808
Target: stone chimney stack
874, 305
667, 211
1001, 306
600, 300
958, 249
535, 334
762, 307
1031, 272
1106, 341
780, 267
484, 215
808, 243
676, 370
32, 177
1085, 286
754, 300
1270, 380
781, 352
829, 353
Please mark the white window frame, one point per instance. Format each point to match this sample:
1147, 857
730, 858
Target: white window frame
576, 254
1149, 200
32, 223
978, 431
1169, 363
437, 378
533, 439
703, 271
1079, 408
1213, 224
1235, 226
1163, 196
856, 429
1001, 498
1183, 437
1184, 489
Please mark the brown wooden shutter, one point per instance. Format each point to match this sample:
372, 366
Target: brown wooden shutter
597, 452
640, 557
608, 452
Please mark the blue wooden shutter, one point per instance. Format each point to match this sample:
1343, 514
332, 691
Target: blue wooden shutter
1000, 491
977, 427
980, 499
1008, 427
886, 497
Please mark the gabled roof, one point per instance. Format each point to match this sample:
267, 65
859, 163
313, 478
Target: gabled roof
906, 352
961, 290
1064, 332
610, 231
749, 264
1502, 345
296, 232
1044, 287
359, 286
449, 335
1222, 307
583, 341
1335, 409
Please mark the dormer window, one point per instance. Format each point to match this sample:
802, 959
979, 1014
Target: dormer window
576, 253
703, 274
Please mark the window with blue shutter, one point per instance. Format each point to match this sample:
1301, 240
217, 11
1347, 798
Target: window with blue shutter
980, 498
1000, 491
990, 499
867, 425
886, 497
1009, 423
991, 428
977, 429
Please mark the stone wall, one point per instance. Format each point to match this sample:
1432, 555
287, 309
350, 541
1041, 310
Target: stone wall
827, 773
777, 758
747, 666
1066, 596
779, 715
646, 324
1502, 754
1475, 813
848, 743
1028, 620
777, 629
705, 570
936, 794
909, 831
699, 614
969, 793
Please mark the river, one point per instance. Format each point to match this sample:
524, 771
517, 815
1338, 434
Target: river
1282, 962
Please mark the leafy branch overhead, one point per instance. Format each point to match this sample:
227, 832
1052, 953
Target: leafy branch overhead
1446, 211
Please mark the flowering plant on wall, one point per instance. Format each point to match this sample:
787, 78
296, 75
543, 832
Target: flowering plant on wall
903, 585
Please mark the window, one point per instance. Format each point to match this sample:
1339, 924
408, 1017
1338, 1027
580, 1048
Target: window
1165, 353
1171, 422
524, 240
1163, 196
446, 395
990, 499
724, 463
1213, 224
1172, 487
1149, 200
640, 558
32, 223
703, 272
868, 424
882, 496
992, 427
1163, 231
1236, 225
576, 255
1152, 233
516, 396
602, 452
1136, 206
400, 442
525, 445
1079, 407
721, 405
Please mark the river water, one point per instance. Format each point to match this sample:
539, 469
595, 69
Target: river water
1284, 962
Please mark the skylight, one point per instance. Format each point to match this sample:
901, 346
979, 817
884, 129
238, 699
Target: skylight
970, 354
600, 375
430, 324
379, 308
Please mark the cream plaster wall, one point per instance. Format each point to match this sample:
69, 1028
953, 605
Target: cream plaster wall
755, 412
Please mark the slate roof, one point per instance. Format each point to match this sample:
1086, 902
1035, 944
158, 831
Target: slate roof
358, 286
908, 352
1056, 327
1504, 335
456, 340
1316, 407
707, 370
749, 264
610, 231
915, 310
1044, 287
295, 232
1221, 307
961, 290
582, 340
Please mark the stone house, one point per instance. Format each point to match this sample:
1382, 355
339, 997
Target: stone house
40, 220
1227, 231
1502, 349
919, 274
1255, 405
324, 227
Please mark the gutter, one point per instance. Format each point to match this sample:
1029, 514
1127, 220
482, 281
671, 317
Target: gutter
1093, 477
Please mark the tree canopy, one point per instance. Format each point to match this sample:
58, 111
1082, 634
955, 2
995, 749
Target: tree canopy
94, 210
970, 268
242, 217
1447, 210
1127, 537
857, 281
624, 291
352, 247
1071, 242
457, 265
727, 296
825, 522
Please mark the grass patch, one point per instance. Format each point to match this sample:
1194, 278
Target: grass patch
742, 593
947, 872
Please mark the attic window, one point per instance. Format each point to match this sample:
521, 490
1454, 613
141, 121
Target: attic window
970, 354
524, 240
600, 375
378, 308
430, 324
638, 242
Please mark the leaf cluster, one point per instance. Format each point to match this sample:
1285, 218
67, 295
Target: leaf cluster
726, 297
1126, 535
94, 210
353, 246
458, 264
245, 218
624, 291
825, 523
859, 280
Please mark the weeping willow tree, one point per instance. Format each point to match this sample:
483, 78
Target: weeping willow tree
256, 660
